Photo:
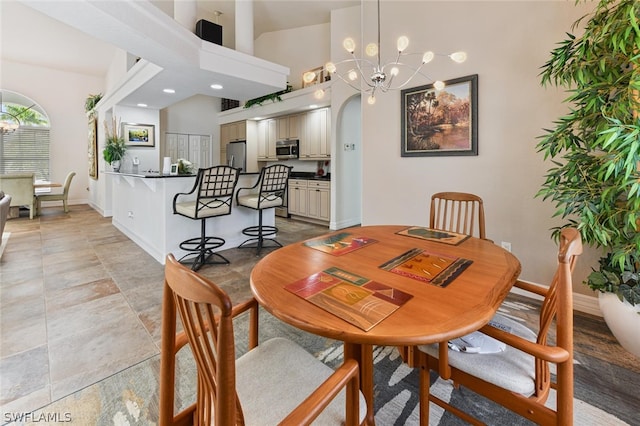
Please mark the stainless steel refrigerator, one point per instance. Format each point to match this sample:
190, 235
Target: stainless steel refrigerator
237, 155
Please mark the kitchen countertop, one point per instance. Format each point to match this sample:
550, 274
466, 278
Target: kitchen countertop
310, 176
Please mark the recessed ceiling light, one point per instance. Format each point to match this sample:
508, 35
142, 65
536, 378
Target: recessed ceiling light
142, 105
216, 86
169, 91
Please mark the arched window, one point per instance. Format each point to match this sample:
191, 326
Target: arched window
25, 147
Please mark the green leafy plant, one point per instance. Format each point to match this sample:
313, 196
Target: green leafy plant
595, 148
270, 97
91, 102
114, 148
185, 167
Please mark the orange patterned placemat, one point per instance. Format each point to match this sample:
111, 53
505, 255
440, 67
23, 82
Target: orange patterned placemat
355, 299
428, 267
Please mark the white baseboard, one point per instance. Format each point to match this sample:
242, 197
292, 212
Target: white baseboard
581, 302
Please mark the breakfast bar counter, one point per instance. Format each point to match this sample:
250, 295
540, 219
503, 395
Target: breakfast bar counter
142, 209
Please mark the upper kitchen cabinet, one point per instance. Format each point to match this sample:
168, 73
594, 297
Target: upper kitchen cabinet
315, 141
289, 127
267, 136
232, 132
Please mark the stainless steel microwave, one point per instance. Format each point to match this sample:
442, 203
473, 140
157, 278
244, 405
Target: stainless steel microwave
287, 149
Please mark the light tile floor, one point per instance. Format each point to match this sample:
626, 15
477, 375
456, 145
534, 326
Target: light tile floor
79, 302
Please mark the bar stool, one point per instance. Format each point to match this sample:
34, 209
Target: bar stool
213, 189
268, 192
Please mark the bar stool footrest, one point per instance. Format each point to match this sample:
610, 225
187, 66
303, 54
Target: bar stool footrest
202, 252
260, 231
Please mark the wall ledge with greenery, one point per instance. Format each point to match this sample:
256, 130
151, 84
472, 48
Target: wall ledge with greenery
595, 148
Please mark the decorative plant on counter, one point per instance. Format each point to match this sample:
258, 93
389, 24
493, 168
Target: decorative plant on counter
114, 148
185, 167
595, 148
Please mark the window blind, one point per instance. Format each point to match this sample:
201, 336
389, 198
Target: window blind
25, 150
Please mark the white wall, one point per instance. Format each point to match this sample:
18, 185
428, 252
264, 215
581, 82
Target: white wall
507, 43
149, 157
300, 49
62, 95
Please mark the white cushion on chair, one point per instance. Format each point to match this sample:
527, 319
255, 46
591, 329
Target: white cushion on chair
189, 209
512, 369
275, 377
252, 201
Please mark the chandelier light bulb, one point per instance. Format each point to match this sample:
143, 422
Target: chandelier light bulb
330, 67
353, 75
371, 49
427, 57
394, 71
309, 76
403, 43
349, 44
371, 100
458, 57
439, 85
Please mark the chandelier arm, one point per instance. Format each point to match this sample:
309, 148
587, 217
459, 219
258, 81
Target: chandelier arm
358, 88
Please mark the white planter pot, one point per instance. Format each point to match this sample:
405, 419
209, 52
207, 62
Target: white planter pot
623, 320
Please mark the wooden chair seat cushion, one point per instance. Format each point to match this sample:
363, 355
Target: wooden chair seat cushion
188, 208
511, 369
276, 376
253, 201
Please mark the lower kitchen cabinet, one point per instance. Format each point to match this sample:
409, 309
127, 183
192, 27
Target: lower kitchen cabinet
310, 199
297, 197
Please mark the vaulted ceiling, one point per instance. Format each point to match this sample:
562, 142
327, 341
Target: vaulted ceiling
32, 37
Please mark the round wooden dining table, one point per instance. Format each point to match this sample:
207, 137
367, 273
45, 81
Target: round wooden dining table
426, 312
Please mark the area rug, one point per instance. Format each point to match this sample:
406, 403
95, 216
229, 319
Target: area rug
605, 394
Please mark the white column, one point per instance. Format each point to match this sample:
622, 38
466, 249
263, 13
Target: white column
185, 13
244, 26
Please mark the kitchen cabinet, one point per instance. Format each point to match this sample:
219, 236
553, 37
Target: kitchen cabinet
310, 199
297, 197
267, 136
315, 143
289, 126
319, 200
232, 132
194, 148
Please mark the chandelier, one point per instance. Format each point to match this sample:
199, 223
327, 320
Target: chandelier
374, 76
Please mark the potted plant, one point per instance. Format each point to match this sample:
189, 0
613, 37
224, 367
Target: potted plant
595, 150
114, 148
91, 102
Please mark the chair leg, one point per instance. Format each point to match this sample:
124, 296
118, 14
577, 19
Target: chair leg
258, 234
202, 250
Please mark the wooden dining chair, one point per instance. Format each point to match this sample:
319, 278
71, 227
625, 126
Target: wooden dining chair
276, 382
457, 212
518, 377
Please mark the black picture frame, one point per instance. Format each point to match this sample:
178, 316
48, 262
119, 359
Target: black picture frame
440, 122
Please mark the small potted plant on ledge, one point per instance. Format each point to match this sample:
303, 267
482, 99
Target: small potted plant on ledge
185, 167
114, 148
595, 150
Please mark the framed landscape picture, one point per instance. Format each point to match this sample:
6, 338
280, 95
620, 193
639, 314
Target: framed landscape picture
440, 122
138, 134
